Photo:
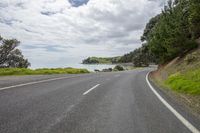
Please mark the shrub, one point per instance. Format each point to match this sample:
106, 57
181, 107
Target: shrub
119, 68
191, 58
107, 70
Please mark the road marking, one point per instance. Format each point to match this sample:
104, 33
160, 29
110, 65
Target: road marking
179, 116
36, 82
91, 89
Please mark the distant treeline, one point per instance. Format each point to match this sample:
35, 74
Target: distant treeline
169, 34
140, 57
101, 60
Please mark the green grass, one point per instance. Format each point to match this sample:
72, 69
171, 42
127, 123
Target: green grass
188, 82
100, 60
43, 71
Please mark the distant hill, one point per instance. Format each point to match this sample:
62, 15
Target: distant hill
139, 57
101, 60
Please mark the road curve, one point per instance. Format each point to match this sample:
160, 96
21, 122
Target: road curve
118, 102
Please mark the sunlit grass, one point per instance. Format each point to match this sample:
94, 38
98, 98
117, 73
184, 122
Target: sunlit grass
188, 82
42, 71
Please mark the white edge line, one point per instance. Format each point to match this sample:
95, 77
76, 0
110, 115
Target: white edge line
91, 89
179, 116
36, 82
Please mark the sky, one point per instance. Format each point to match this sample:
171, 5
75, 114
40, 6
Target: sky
54, 33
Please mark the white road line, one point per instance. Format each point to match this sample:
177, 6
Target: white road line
179, 116
91, 89
36, 82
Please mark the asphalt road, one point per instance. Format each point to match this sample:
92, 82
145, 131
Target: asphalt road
118, 102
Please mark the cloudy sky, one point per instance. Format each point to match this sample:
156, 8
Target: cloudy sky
54, 33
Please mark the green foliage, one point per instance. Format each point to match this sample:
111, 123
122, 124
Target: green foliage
191, 57
149, 27
43, 71
118, 68
139, 57
185, 83
10, 56
127, 58
143, 57
170, 34
100, 60
107, 70
194, 18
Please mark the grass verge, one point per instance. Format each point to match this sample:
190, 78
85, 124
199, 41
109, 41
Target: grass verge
42, 71
188, 83
180, 80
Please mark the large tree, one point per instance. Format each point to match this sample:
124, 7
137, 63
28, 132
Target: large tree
10, 56
173, 32
194, 18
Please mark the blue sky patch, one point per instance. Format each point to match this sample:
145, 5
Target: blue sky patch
77, 3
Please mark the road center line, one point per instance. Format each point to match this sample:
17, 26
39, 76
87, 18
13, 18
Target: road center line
179, 116
91, 89
36, 82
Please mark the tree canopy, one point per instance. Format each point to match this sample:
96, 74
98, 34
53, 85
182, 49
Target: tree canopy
10, 56
173, 32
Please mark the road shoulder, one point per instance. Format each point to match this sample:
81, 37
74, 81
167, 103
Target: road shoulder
177, 102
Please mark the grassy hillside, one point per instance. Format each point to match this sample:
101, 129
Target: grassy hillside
181, 77
100, 60
24, 71
188, 82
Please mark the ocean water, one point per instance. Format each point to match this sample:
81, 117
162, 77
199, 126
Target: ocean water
91, 67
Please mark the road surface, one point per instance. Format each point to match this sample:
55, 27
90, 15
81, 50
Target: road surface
117, 102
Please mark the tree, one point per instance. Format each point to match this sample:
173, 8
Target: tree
143, 57
10, 56
171, 36
149, 27
194, 18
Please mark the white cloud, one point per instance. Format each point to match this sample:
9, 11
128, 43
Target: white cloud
54, 32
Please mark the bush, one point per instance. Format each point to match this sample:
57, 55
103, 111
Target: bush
97, 70
191, 58
110, 69
107, 70
119, 68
